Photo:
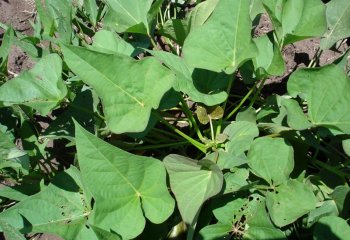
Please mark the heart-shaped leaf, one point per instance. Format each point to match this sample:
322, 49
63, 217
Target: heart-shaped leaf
192, 182
295, 20
127, 188
127, 98
290, 201
224, 42
338, 21
326, 91
41, 88
271, 159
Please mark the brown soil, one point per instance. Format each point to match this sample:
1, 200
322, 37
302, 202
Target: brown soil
296, 55
17, 13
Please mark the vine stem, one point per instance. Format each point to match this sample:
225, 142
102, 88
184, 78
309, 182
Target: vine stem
229, 86
241, 103
189, 114
194, 142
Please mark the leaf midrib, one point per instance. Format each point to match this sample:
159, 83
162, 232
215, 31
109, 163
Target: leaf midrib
114, 167
110, 81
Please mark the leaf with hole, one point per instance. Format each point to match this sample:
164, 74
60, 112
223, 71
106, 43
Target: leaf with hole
291, 200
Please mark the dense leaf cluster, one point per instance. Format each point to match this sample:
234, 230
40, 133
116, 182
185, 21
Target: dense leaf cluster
130, 124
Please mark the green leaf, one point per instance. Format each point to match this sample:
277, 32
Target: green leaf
104, 235
215, 231
346, 146
126, 187
81, 109
5, 48
241, 135
269, 60
338, 21
205, 114
128, 15
11, 232
201, 86
271, 159
41, 88
135, 94
289, 201
192, 182
109, 42
327, 208
60, 12
326, 91
258, 223
59, 209
200, 14
331, 227
296, 118
295, 20
236, 180
224, 42
20, 192
341, 197
12, 157
175, 29
91, 10
231, 212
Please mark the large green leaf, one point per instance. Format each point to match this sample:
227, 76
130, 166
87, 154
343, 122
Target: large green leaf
331, 227
41, 88
127, 188
59, 209
289, 201
295, 20
192, 182
128, 15
326, 91
338, 20
271, 159
127, 98
224, 42
201, 86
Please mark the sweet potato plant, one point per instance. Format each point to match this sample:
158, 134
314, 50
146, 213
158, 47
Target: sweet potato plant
152, 119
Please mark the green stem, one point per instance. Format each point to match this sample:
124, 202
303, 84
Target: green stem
257, 92
164, 145
212, 131
229, 86
195, 143
193, 121
153, 42
241, 103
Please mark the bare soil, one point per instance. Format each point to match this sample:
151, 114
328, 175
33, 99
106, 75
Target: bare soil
17, 13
